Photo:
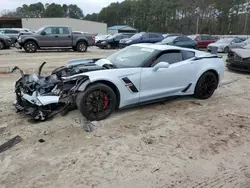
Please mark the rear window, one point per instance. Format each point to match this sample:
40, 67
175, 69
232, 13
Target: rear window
63, 30
152, 35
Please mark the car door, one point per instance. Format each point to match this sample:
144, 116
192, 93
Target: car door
12, 34
180, 41
167, 81
49, 37
144, 38
236, 43
116, 41
64, 37
153, 38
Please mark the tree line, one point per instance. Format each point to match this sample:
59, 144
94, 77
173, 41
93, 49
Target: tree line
39, 10
166, 16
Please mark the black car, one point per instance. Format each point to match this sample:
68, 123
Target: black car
113, 40
181, 41
239, 60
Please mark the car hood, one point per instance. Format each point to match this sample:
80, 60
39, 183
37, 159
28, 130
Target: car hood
218, 44
243, 53
4, 37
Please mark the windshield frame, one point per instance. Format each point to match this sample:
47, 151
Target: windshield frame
151, 54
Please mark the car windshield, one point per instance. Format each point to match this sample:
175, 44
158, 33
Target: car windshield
39, 30
169, 39
1, 32
132, 56
136, 36
192, 36
226, 40
112, 36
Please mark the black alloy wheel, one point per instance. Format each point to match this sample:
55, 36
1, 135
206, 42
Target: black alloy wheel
30, 47
97, 102
206, 85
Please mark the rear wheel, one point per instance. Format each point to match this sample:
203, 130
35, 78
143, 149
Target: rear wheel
97, 102
206, 85
1, 45
82, 46
30, 47
108, 46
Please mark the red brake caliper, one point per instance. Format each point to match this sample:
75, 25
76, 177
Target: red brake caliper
106, 100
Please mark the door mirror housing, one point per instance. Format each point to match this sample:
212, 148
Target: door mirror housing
43, 33
160, 65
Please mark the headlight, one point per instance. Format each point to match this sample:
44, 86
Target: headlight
128, 41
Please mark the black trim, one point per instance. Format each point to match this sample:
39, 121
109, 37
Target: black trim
130, 84
187, 88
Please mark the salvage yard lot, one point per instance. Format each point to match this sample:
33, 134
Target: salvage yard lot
178, 143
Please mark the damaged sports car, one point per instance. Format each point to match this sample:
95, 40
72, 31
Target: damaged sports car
239, 60
135, 75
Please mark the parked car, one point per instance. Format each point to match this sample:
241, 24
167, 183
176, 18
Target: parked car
245, 43
181, 41
141, 38
113, 40
100, 38
203, 40
239, 60
5, 42
135, 75
13, 33
51, 37
225, 44
246, 46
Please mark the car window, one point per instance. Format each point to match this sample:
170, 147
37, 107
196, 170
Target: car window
237, 40
145, 35
180, 39
11, 32
204, 37
199, 38
51, 31
170, 57
119, 37
188, 55
152, 35
64, 30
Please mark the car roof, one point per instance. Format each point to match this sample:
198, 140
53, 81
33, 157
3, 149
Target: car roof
160, 47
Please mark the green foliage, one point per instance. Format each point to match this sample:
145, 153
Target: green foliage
38, 10
177, 16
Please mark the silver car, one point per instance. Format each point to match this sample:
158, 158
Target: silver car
13, 33
225, 44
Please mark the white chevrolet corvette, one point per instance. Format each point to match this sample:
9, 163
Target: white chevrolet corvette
135, 75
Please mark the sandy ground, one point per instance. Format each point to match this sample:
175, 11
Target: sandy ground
179, 143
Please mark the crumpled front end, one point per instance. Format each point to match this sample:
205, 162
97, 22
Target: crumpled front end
239, 60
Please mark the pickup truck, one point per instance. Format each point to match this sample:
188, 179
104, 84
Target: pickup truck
54, 37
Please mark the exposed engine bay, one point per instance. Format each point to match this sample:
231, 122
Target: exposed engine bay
42, 97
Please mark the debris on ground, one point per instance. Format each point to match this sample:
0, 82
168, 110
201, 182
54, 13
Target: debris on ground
3, 125
115, 136
10, 143
196, 103
148, 141
155, 168
41, 140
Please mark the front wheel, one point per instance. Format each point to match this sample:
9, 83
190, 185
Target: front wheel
206, 85
30, 47
97, 102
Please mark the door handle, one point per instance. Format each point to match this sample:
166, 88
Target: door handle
56, 36
69, 36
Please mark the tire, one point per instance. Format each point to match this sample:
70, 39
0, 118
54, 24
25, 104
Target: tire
2, 45
30, 47
97, 102
74, 49
82, 46
226, 49
206, 85
108, 46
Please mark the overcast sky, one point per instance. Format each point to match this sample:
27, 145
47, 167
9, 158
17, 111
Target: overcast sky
88, 6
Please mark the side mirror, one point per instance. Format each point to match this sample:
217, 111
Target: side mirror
43, 33
160, 65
